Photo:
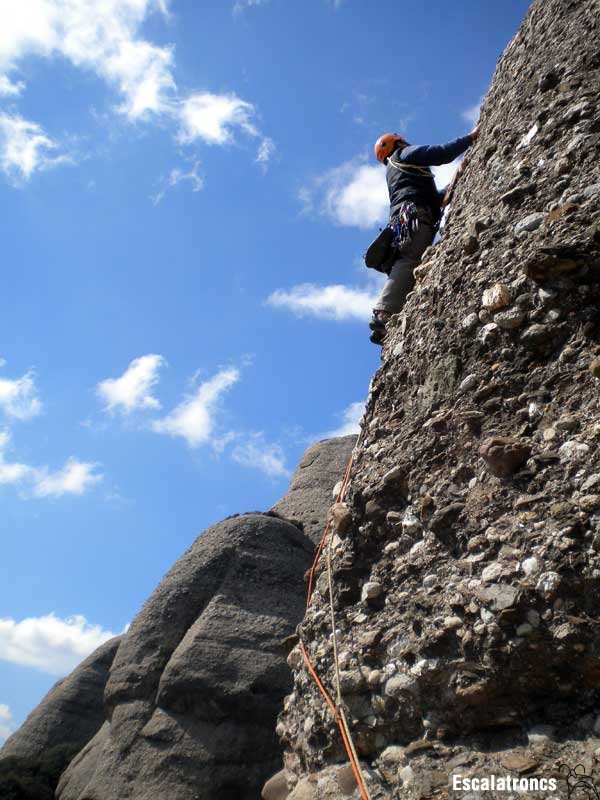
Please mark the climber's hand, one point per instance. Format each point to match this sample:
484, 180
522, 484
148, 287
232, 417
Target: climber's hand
475, 132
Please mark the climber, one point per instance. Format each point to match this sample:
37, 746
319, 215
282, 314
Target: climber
415, 211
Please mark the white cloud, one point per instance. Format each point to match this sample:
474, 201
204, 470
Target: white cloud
353, 193
350, 419
104, 38
444, 173
335, 302
472, 113
194, 418
8, 88
133, 389
241, 5
14, 473
76, 477
101, 37
214, 117
18, 398
7, 723
257, 453
49, 643
25, 148
177, 176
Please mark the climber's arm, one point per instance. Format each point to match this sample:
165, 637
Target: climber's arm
426, 155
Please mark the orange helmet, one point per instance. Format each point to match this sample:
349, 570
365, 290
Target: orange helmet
385, 145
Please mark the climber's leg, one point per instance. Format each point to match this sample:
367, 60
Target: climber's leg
401, 276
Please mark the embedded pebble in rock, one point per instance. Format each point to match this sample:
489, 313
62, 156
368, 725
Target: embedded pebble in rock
452, 623
589, 502
371, 590
398, 684
410, 524
488, 333
530, 223
341, 517
548, 585
509, 320
595, 367
393, 475
593, 482
470, 321
531, 565
503, 456
573, 451
470, 382
495, 297
538, 337
491, 573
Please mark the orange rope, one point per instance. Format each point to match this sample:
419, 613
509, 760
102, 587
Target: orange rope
339, 721
338, 718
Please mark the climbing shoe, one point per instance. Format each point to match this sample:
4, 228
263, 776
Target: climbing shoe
377, 326
377, 336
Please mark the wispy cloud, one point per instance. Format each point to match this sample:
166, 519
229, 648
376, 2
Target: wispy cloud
256, 453
49, 643
335, 302
19, 397
179, 175
266, 151
7, 723
350, 419
471, 114
9, 88
215, 119
194, 419
241, 5
133, 389
25, 149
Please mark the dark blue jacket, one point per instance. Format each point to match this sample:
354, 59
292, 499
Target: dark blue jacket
409, 177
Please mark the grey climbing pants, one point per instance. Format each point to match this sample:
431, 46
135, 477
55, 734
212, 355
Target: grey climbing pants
401, 278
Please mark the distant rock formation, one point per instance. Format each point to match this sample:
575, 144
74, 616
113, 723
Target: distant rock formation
467, 586
72, 711
194, 689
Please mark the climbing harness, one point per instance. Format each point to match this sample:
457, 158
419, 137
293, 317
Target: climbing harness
404, 224
336, 708
388, 244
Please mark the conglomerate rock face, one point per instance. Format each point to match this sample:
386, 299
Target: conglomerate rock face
72, 711
467, 588
195, 687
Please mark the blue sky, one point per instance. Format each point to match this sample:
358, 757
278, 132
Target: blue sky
185, 192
